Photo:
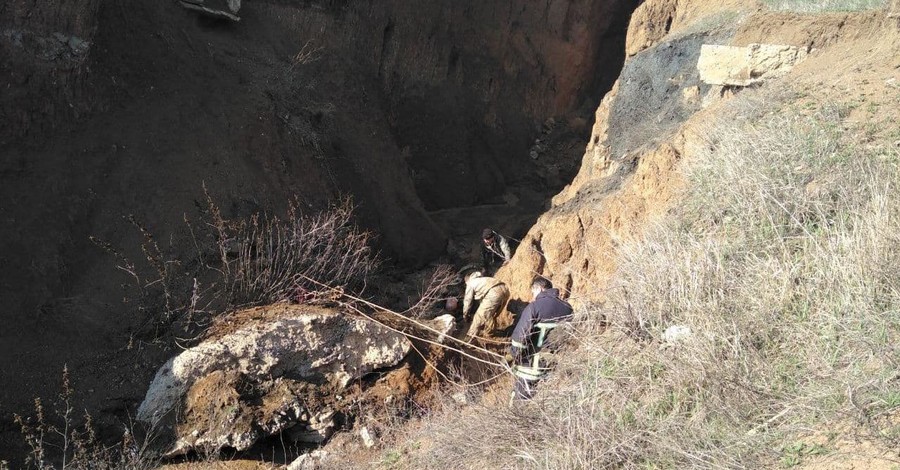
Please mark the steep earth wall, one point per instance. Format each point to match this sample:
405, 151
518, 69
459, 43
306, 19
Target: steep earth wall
45, 46
627, 174
119, 108
655, 115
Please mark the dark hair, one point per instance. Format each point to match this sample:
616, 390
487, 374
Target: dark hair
542, 282
487, 234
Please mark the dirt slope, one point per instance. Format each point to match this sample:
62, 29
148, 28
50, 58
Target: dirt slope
630, 176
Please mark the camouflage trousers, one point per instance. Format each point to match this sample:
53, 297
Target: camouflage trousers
486, 315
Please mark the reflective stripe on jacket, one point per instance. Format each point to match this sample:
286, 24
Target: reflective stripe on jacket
547, 307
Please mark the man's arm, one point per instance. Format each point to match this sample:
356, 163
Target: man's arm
468, 299
504, 248
521, 334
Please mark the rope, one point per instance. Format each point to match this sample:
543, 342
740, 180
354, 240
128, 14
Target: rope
506, 370
340, 293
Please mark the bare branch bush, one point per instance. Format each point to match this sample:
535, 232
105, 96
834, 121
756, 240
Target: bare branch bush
66, 441
274, 258
433, 290
307, 54
221, 264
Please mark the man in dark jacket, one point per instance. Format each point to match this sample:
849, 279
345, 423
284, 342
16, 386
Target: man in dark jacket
495, 251
536, 321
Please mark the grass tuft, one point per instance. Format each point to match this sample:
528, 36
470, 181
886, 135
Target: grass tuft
821, 6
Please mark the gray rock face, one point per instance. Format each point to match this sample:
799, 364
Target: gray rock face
255, 380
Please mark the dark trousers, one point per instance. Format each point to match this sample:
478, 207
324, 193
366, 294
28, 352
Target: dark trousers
524, 388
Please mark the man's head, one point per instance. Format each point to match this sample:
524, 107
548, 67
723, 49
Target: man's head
540, 284
487, 235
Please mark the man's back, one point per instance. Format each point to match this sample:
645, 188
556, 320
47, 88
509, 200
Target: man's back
547, 307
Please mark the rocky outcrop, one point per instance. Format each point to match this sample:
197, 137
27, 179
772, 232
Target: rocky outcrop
278, 372
653, 118
744, 66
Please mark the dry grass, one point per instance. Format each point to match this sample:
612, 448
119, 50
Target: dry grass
783, 260
819, 6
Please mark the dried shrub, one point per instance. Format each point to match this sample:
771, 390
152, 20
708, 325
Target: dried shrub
268, 259
434, 289
65, 440
221, 264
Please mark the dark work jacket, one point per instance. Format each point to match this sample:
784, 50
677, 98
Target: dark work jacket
547, 307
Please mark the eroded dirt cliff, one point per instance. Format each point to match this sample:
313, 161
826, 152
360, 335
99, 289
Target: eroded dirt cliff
657, 113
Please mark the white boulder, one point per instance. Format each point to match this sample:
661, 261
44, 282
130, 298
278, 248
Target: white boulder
246, 383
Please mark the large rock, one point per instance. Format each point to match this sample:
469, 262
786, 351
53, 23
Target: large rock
743, 66
273, 372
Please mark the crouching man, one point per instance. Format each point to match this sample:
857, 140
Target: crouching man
541, 316
493, 295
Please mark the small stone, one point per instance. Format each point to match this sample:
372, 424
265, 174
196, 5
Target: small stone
367, 438
78, 45
676, 334
308, 461
460, 398
444, 324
